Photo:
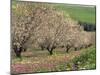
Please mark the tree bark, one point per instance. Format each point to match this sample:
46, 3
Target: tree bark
42, 48
18, 52
50, 50
67, 49
76, 49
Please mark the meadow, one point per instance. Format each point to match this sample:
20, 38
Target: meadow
81, 13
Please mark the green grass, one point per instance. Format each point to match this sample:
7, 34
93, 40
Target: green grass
79, 12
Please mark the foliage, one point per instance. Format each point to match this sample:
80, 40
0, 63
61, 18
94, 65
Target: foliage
86, 60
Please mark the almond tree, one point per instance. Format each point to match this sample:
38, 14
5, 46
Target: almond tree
23, 26
54, 28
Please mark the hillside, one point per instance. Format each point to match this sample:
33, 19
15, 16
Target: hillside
79, 12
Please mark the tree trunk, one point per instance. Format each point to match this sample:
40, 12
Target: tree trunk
24, 49
67, 49
50, 51
76, 49
18, 52
42, 48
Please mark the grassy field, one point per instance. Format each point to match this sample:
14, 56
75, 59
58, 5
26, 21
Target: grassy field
79, 12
